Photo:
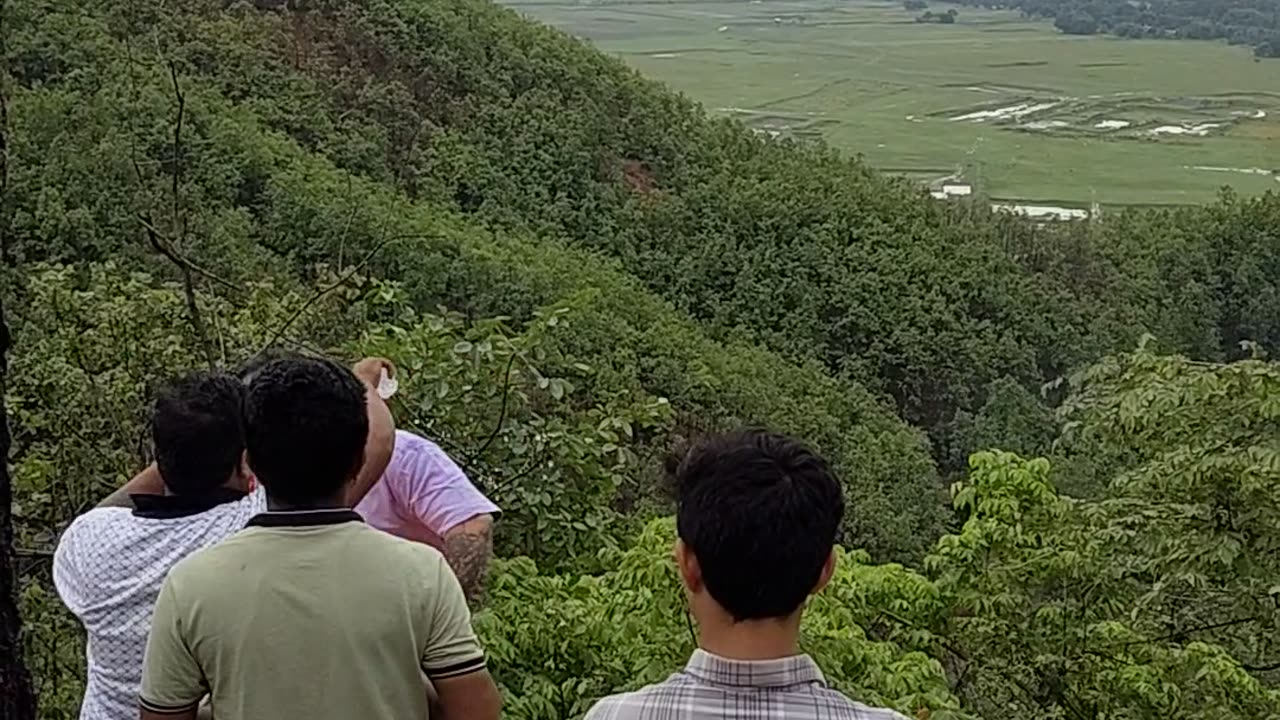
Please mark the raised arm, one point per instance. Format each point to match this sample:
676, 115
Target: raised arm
382, 429
147, 482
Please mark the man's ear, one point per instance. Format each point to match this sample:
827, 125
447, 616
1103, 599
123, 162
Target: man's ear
245, 479
828, 569
355, 471
687, 564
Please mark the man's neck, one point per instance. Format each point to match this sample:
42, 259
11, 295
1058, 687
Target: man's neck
232, 485
750, 639
332, 503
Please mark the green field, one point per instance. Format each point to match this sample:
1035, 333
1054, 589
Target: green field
1011, 105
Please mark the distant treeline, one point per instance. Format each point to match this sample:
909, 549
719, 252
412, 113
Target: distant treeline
1241, 22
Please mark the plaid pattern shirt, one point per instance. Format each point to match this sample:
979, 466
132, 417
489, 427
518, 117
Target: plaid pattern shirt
712, 687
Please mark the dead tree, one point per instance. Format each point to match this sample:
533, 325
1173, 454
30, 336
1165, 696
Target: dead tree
17, 699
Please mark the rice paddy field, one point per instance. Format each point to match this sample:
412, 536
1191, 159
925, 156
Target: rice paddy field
1009, 105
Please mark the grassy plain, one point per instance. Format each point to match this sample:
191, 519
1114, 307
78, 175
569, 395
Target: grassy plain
874, 82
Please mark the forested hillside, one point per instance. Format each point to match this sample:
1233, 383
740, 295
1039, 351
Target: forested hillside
575, 269
1255, 23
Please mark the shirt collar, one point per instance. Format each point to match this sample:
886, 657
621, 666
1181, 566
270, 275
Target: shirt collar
304, 518
781, 672
160, 507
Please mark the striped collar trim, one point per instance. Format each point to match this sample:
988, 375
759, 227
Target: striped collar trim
304, 518
794, 670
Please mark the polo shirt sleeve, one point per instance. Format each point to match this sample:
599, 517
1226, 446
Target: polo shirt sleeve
452, 647
68, 575
172, 681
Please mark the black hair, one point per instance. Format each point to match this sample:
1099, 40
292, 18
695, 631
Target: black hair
305, 428
197, 431
761, 513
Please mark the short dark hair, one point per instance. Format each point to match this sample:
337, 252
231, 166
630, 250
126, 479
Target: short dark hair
197, 432
305, 427
761, 513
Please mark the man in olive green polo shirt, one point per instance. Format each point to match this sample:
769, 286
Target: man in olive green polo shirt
309, 613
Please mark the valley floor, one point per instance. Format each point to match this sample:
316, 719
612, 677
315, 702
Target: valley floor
1010, 105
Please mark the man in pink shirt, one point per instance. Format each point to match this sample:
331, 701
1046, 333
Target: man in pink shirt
424, 496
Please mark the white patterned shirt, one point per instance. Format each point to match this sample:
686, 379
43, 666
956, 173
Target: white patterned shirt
108, 568
715, 688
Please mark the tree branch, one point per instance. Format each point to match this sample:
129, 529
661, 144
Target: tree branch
170, 248
177, 149
502, 414
184, 263
17, 698
526, 471
1183, 633
5, 252
188, 289
322, 292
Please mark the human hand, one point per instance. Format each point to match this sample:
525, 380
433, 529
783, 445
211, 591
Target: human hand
369, 370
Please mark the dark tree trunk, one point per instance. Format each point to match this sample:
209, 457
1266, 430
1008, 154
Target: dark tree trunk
17, 700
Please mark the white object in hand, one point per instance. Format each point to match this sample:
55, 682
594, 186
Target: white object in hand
387, 385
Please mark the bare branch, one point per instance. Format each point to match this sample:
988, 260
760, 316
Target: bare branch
322, 292
346, 227
33, 552
177, 152
1188, 631
188, 288
5, 251
184, 263
502, 414
524, 472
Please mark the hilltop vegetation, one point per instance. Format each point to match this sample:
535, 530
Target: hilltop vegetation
575, 269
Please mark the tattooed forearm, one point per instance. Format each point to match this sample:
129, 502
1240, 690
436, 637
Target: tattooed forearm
468, 549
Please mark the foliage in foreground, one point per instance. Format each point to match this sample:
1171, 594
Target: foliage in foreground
1157, 601
567, 448
554, 450
558, 642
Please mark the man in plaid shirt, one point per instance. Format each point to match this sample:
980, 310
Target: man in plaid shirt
757, 515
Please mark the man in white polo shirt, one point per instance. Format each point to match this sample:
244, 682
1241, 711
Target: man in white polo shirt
110, 562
